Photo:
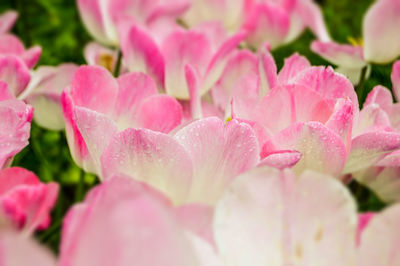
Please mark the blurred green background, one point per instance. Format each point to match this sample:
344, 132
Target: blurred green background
55, 26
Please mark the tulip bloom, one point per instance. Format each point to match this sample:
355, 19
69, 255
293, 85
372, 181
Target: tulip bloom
44, 94
130, 101
381, 41
101, 18
381, 114
15, 125
24, 200
206, 51
10, 44
132, 217
265, 219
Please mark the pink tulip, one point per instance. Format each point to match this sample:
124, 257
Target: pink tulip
279, 22
14, 72
17, 250
10, 44
15, 124
194, 165
131, 101
380, 29
205, 49
380, 114
101, 18
44, 94
268, 217
24, 200
132, 218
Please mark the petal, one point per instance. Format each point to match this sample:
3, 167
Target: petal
372, 118
292, 66
219, 61
267, 71
380, 29
94, 87
379, 240
265, 219
341, 121
353, 74
329, 84
363, 221
134, 88
281, 159
97, 131
368, 148
160, 113
241, 63
192, 80
396, 80
131, 220
151, 157
245, 95
197, 219
96, 19
380, 96
301, 105
5, 93
7, 20
44, 94
13, 245
383, 181
322, 150
11, 44
219, 153
312, 17
141, 53
32, 56
15, 125
343, 55
180, 49
15, 73
267, 22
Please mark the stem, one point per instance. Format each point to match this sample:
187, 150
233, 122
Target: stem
118, 65
81, 187
49, 232
360, 86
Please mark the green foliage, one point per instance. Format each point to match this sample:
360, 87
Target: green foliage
55, 26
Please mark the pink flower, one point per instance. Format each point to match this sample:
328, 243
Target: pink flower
24, 200
205, 49
380, 29
380, 114
44, 94
102, 17
15, 124
279, 22
132, 218
268, 217
316, 129
131, 101
192, 164
14, 72
10, 44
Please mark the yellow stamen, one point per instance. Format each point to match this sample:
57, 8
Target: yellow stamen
355, 41
106, 60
